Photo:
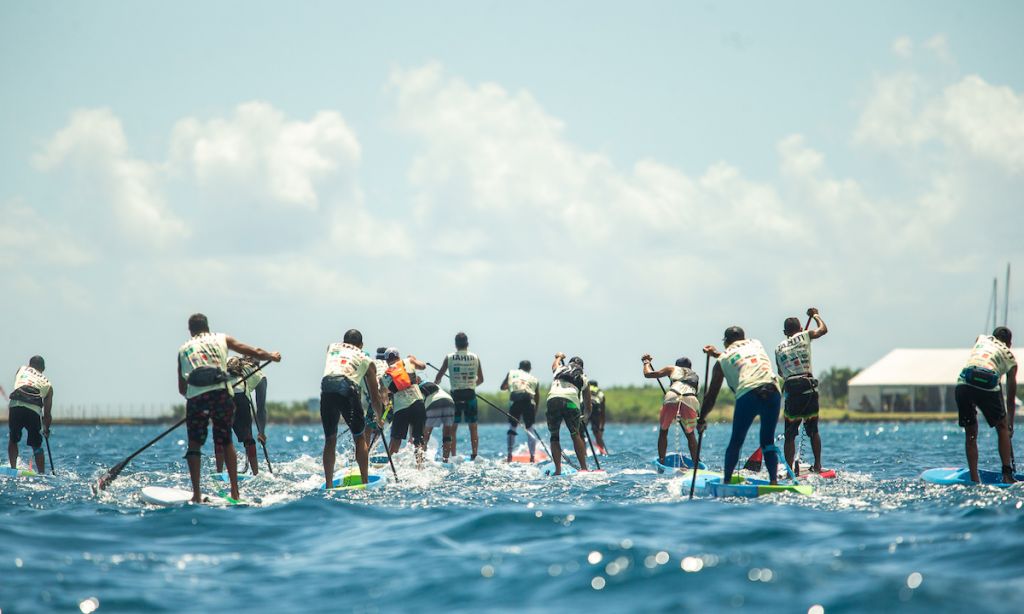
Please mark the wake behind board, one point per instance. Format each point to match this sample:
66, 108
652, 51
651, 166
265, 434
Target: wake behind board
548, 469
703, 477
750, 488
948, 476
379, 460
354, 481
674, 462
8, 472
825, 474
222, 476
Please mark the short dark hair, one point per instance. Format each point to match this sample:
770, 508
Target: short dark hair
197, 323
1003, 334
576, 360
353, 337
525, 365
37, 363
791, 325
593, 383
461, 341
733, 334
684, 362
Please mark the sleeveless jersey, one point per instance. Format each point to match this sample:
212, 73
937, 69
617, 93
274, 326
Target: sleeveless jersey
203, 350
440, 396
563, 389
992, 354
462, 369
521, 381
746, 366
404, 398
596, 396
347, 361
793, 356
684, 383
251, 381
31, 388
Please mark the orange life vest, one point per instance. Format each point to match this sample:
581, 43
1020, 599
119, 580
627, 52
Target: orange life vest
399, 376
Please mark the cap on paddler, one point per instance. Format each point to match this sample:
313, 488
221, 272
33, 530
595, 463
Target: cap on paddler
391, 354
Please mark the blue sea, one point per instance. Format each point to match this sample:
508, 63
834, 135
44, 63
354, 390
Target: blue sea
497, 537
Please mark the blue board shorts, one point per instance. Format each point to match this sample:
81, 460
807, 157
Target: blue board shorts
465, 406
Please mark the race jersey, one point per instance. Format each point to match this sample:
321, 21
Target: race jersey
596, 396
205, 350
564, 389
250, 381
793, 356
992, 354
404, 398
440, 396
348, 361
521, 381
30, 389
684, 383
462, 369
746, 366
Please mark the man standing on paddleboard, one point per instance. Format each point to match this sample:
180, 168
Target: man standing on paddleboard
799, 388
679, 404
203, 381
746, 367
247, 380
29, 409
978, 388
569, 390
466, 373
401, 381
598, 416
440, 414
523, 399
347, 368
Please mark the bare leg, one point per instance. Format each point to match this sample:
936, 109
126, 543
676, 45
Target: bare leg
362, 458
816, 450
691, 442
556, 455
41, 463
250, 453
971, 445
194, 460
789, 448
218, 454
330, 443
455, 439
231, 460
581, 451
12, 453
447, 442
1005, 451
474, 440
511, 441
662, 444
396, 445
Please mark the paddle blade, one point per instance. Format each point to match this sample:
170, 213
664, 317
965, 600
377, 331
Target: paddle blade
109, 477
754, 462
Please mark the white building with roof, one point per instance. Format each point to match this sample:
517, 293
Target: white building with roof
907, 380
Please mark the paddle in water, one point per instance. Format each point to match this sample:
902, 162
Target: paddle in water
46, 437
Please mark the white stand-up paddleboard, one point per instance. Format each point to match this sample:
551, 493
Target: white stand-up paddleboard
160, 495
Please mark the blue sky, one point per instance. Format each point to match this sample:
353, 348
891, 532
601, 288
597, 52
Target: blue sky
602, 179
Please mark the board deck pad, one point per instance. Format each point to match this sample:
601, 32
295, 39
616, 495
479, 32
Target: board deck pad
17, 473
751, 488
354, 481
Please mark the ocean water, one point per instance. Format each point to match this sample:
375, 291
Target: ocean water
494, 537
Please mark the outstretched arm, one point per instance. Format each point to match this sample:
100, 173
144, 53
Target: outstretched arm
261, 406
441, 371
712, 395
249, 350
1011, 396
820, 329
479, 373
557, 362
416, 362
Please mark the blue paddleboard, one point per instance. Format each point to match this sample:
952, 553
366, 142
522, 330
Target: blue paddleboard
674, 462
948, 476
223, 477
354, 481
749, 488
17, 473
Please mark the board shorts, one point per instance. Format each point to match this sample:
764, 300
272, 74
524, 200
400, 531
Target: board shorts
683, 409
990, 402
524, 411
242, 424
597, 416
339, 398
465, 406
214, 406
24, 418
440, 414
561, 410
412, 417
801, 398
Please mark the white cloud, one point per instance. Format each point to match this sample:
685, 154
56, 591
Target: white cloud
903, 47
259, 153
939, 47
28, 236
970, 116
93, 143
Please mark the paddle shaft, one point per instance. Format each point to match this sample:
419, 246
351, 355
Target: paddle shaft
118, 468
387, 450
518, 422
50, 454
586, 433
700, 434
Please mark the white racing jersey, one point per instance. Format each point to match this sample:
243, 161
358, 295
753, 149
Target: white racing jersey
30, 385
991, 354
746, 366
348, 361
521, 381
684, 382
204, 350
793, 355
463, 366
563, 389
